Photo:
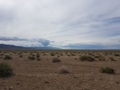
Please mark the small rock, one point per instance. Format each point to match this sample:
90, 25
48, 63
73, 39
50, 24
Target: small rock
117, 82
18, 84
10, 88
5, 88
75, 77
46, 82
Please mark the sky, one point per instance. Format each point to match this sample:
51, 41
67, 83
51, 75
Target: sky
66, 24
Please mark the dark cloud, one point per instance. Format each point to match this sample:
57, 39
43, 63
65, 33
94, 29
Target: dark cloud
92, 46
45, 42
12, 39
41, 42
84, 46
113, 20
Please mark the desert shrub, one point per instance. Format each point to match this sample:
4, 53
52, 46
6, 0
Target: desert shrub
116, 54
7, 57
5, 70
61, 54
72, 54
112, 59
31, 57
38, 59
87, 58
37, 55
56, 60
101, 58
63, 70
108, 70
1, 54
69, 54
52, 54
20, 55
75, 58
97, 56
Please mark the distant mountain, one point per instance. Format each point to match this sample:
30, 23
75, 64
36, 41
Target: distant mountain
45, 48
6, 46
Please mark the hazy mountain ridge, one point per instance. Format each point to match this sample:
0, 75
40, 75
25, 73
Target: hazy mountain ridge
6, 46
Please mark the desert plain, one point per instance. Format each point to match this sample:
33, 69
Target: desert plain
36, 70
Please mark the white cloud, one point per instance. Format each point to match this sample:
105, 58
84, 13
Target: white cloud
61, 21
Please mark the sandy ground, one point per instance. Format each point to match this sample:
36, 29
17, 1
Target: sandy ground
43, 74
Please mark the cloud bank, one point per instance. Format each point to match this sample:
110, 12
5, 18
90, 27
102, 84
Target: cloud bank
25, 42
61, 23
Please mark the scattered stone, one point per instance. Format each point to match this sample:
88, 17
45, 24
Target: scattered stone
18, 84
75, 77
10, 88
46, 82
5, 88
117, 82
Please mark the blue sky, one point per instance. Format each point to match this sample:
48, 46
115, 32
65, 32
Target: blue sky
77, 24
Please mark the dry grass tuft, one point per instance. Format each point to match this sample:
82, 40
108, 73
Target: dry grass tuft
63, 70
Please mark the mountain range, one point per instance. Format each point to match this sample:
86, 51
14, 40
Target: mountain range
6, 46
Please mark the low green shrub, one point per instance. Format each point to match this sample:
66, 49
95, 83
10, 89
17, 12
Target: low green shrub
5, 70
87, 58
108, 70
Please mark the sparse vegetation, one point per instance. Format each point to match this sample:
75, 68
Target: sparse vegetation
7, 57
63, 70
101, 58
116, 54
107, 70
56, 60
5, 70
52, 54
31, 57
37, 55
97, 56
87, 58
112, 59
65, 65
20, 55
